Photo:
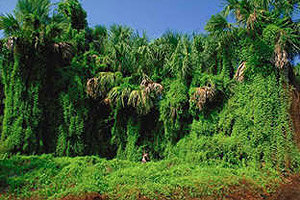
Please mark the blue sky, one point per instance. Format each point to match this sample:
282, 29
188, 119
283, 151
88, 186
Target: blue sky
153, 16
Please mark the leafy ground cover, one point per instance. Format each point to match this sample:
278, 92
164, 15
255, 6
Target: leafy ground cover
48, 177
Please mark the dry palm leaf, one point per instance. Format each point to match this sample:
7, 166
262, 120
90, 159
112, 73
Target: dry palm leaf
100, 85
64, 49
140, 100
239, 75
203, 95
151, 87
251, 20
92, 87
238, 15
118, 95
10, 42
107, 101
281, 57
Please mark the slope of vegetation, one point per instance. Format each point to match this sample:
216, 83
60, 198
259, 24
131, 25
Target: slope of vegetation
214, 112
46, 177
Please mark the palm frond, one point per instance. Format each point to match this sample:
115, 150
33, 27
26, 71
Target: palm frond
113, 95
239, 75
251, 20
57, 26
229, 5
120, 33
218, 24
141, 101
281, 56
119, 95
100, 85
92, 87
65, 49
203, 95
9, 25
151, 87
39, 9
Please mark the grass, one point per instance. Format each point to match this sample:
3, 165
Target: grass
48, 177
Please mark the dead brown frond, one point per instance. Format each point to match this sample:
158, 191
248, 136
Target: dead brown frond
64, 49
281, 57
141, 98
203, 95
99, 86
151, 87
238, 15
92, 87
10, 42
107, 101
135, 98
141, 101
95, 59
94, 56
239, 75
251, 20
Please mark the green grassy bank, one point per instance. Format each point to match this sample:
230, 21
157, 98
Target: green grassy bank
47, 177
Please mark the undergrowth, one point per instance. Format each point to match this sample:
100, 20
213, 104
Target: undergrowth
48, 177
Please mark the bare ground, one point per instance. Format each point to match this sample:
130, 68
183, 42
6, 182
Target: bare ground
290, 190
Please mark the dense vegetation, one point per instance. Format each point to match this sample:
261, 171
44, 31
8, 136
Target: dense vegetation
211, 107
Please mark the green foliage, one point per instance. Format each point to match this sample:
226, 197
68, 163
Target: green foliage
47, 177
70, 133
132, 152
72, 90
27, 83
174, 109
251, 129
74, 12
297, 70
130, 77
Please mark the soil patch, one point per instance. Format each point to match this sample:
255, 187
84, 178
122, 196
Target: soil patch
246, 191
295, 114
88, 196
289, 190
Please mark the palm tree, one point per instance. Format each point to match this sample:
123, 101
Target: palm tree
245, 11
120, 48
225, 34
31, 25
98, 38
113, 89
34, 37
74, 12
267, 22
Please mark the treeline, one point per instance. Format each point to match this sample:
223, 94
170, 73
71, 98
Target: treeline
70, 89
